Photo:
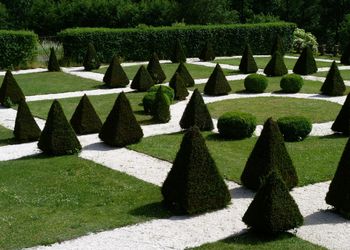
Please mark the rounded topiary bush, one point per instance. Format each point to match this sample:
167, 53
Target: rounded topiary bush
291, 83
255, 83
236, 125
294, 128
148, 99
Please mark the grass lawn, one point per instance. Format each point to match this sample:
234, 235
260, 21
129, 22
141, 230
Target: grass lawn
6, 136
344, 73
315, 158
46, 200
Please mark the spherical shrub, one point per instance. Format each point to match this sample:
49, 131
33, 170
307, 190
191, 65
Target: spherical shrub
294, 128
150, 96
255, 83
291, 83
236, 125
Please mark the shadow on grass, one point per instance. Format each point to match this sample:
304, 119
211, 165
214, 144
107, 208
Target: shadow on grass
152, 210
334, 136
217, 137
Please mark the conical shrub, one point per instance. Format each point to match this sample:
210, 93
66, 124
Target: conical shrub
58, 137
207, 53
178, 54
276, 66
273, 209
115, 76
91, 60
345, 57
194, 184
121, 128
334, 84
10, 89
196, 114
248, 64
186, 76
217, 83
155, 70
342, 122
277, 46
142, 80
178, 85
269, 154
306, 63
161, 106
85, 119
26, 129
53, 62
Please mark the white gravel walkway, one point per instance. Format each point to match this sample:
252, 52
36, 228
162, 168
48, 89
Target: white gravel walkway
25, 71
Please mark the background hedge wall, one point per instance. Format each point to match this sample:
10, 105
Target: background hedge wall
17, 48
138, 43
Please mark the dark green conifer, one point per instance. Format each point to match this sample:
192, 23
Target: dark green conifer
178, 85
277, 46
217, 83
178, 54
26, 129
306, 63
194, 184
182, 70
196, 114
345, 57
142, 80
10, 89
269, 154
207, 53
53, 62
85, 119
91, 60
155, 70
273, 209
334, 84
248, 64
342, 122
276, 66
115, 76
161, 106
121, 128
58, 137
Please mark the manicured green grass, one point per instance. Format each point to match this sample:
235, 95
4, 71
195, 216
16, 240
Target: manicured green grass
344, 73
46, 200
6, 136
315, 158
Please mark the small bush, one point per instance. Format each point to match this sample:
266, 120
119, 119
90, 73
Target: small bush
291, 83
342, 122
178, 85
10, 92
115, 77
255, 83
277, 46
236, 125
334, 84
91, 60
161, 107
178, 53
148, 99
155, 69
207, 53
276, 66
248, 64
142, 80
217, 83
302, 39
306, 63
53, 62
186, 76
294, 128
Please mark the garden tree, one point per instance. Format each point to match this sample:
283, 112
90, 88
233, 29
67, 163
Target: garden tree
345, 57
26, 129
186, 76
178, 54
194, 184
248, 64
115, 76
306, 63
161, 107
269, 154
207, 53
91, 60
196, 114
334, 84
155, 70
53, 62
10, 90
273, 209
277, 46
342, 122
244, 9
276, 66
121, 128
85, 119
58, 137
217, 83
142, 80
179, 87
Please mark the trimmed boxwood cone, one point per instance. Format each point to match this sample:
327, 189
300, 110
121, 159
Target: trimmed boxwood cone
178, 85
277, 45
121, 128
306, 63
196, 114
53, 62
182, 70
161, 106
269, 154
345, 57
207, 53
178, 54
273, 209
26, 129
342, 122
194, 184
85, 119
58, 137
115, 76
248, 64
217, 83
10, 89
334, 84
142, 80
155, 70
276, 66
91, 60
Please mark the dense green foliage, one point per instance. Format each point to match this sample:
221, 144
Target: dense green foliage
91, 60
150, 96
115, 76
155, 69
142, 81
53, 62
217, 83
294, 128
207, 52
334, 84
178, 53
248, 64
161, 106
255, 83
186, 76
276, 66
277, 46
178, 85
345, 57
342, 122
236, 125
306, 63
291, 83
9, 90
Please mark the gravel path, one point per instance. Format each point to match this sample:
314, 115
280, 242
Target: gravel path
25, 71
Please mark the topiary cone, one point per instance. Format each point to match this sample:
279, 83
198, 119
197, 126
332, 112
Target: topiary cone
178, 85
207, 53
273, 209
186, 76
161, 107
115, 76
178, 54
277, 46
334, 84
10, 89
217, 83
269, 154
26, 129
248, 64
58, 137
194, 184
53, 62
121, 128
155, 70
85, 119
142, 80
276, 66
91, 60
306, 63
196, 114
342, 122
345, 57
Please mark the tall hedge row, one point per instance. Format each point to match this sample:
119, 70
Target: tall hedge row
139, 43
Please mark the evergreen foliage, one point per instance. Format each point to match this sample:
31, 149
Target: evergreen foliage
291, 83
53, 62
345, 57
115, 76
150, 96
142, 80
186, 76
236, 125
178, 55
294, 128
155, 69
161, 106
255, 83
306, 63
334, 84
194, 184
342, 122
277, 46
178, 85
207, 53
276, 66
248, 64
91, 60
217, 83
10, 90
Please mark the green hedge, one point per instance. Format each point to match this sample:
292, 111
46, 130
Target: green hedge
138, 43
17, 48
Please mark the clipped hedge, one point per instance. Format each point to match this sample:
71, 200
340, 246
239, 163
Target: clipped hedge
138, 43
255, 83
17, 48
294, 128
236, 125
291, 83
